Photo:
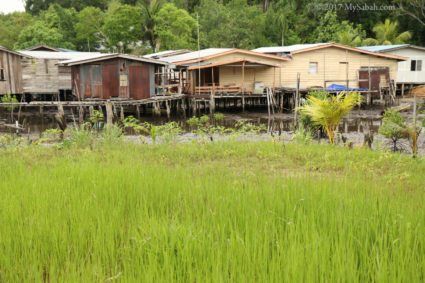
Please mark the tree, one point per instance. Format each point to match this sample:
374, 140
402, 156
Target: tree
175, 28
328, 112
387, 34
88, 29
123, 28
235, 25
330, 29
412, 8
39, 33
11, 26
35, 7
63, 20
150, 12
393, 125
282, 16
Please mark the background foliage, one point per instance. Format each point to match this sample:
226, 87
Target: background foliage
143, 26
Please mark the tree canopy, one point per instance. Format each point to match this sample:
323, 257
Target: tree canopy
141, 26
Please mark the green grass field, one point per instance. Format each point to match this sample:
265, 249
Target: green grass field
219, 212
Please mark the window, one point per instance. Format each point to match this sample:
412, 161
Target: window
312, 68
2, 75
416, 65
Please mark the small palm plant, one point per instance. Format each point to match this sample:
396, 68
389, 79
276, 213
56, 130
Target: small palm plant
328, 111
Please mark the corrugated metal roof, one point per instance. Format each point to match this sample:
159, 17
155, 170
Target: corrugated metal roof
167, 53
110, 56
60, 55
196, 54
286, 49
11, 51
382, 48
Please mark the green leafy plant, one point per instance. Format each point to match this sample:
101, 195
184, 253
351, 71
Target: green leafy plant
8, 98
97, 119
302, 136
218, 116
328, 112
393, 125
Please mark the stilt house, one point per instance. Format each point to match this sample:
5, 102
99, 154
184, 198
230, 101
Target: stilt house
114, 76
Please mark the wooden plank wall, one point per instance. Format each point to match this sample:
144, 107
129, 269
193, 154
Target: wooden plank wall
11, 65
45, 76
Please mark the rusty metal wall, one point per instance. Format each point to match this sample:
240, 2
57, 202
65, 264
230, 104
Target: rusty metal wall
139, 82
110, 79
375, 78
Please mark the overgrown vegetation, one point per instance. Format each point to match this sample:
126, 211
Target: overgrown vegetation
146, 26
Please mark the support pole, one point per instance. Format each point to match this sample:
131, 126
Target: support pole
167, 105
81, 115
138, 112
109, 112
122, 113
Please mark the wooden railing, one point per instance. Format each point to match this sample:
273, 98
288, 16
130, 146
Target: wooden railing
218, 89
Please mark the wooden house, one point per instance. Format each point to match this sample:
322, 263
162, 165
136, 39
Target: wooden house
10, 71
228, 70
324, 64
42, 74
409, 72
114, 76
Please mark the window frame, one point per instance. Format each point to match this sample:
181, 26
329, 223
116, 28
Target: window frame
316, 64
2, 75
415, 65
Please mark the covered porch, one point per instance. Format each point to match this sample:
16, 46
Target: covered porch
236, 77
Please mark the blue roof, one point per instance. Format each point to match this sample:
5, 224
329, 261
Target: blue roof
336, 87
380, 48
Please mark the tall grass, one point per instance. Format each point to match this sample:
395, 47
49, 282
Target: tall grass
219, 212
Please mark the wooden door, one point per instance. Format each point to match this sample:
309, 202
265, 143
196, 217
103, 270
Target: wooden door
139, 82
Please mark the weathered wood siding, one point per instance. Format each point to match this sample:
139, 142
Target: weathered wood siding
330, 67
11, 65
45, 76
265, 74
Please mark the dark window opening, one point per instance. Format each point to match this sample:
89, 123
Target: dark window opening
207, 77
416, 65
2, 75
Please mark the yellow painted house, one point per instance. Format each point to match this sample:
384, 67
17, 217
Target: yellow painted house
229, 70
324, 64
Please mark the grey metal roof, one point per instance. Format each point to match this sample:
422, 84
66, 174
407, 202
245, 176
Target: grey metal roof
11, 51
111, 56
388, 48
60, 55
167, 53
286, 49
382, 48
196, 54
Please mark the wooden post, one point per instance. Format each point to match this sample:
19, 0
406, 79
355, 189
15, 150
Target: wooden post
297, 98
180, 82
122, 113
42, 119
100, 109
369, 94
138, 112
91, 110
60, 117
402, 90
109, 112
167, 105
243, 78
212, 101
81, 115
